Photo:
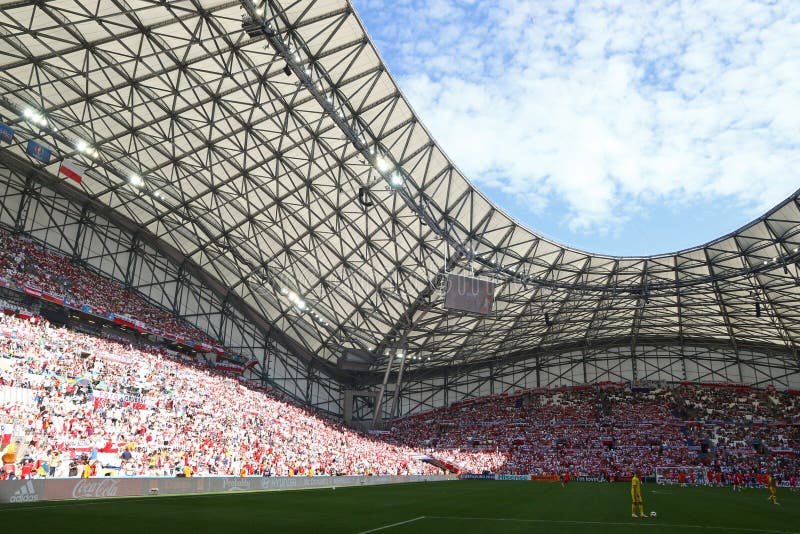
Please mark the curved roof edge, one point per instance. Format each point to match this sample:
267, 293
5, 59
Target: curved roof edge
792, 197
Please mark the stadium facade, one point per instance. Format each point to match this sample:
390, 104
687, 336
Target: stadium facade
255, 169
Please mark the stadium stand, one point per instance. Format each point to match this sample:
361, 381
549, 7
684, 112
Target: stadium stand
139, 410
135, 410
610, 429
42, 273
72, 402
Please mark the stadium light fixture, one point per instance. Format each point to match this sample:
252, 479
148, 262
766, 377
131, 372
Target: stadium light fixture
34, 117
383, 164
396, 179
85, 148
136, 180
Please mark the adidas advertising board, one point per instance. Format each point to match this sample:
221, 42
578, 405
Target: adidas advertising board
25, 493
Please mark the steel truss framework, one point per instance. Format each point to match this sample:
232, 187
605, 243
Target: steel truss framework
29, 207
258, 132
651, 360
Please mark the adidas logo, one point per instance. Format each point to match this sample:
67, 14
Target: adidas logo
25, 493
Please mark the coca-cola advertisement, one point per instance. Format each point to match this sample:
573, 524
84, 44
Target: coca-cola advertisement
94, 489
91, 488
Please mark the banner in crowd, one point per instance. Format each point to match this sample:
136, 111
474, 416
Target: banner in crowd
229, 367
32, 291
56, 299
101, 397
121, 320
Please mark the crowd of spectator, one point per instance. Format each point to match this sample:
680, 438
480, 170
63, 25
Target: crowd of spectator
611, 429
97, 406
72, 404
27, 264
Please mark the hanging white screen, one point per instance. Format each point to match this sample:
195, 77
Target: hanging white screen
469, 294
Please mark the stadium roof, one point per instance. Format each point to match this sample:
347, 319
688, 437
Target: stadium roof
251, 137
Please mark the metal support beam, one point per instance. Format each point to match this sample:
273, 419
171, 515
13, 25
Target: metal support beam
398, 385
24, 204
77, 248
379, 401
129, 269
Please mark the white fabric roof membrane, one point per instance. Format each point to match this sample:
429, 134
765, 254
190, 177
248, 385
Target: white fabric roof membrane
253, 144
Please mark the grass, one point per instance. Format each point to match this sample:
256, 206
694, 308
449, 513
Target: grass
461, 507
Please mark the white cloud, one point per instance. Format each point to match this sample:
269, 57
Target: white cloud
606, 106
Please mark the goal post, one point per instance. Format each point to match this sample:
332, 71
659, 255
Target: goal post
694, 475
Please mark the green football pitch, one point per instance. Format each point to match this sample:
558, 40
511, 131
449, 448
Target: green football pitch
460, 507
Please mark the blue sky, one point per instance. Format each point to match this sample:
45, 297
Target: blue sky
623, 127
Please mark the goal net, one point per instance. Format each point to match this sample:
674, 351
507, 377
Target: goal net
675, 474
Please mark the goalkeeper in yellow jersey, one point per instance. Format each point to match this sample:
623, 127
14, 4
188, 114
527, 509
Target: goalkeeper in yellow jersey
772, 485
636, 496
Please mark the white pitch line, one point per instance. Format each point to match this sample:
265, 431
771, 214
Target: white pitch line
393, 525
654, 523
